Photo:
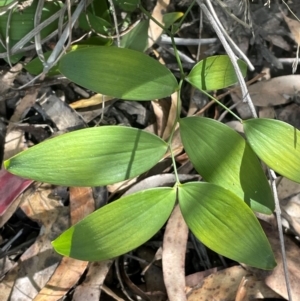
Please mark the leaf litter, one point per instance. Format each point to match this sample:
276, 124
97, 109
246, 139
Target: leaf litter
36, 272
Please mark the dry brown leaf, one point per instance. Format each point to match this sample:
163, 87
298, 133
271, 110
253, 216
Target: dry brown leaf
195, 279
161, 110
286, 188
14, 143
291, 213
223, 285
92, 101
154, 30
69, 270
289, 113
64, 278
171, 117
37, 264
7, 79
90, 288
266, 112
275, 278
25, 104
81, 203
294, 27
276, 91
173, 257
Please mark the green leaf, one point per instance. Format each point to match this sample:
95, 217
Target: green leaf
96, 23
118, 227
137, 38
36, 67
221, 156
90, 157
100, 9
170, 18
22, 23
277, 144
225, 224
118, 72
127, 5
214, 72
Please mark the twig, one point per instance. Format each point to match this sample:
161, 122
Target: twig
112, 7
187, 42
245, 93
37, 37
237, 50
272, 177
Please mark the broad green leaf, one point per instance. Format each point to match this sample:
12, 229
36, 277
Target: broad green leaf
36, 67
118, 72
118, 227
137, 38
221, 156
214, 72
277, 144
170, 18
225, 224
90, 157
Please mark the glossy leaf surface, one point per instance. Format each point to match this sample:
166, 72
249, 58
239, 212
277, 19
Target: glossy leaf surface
118, 72
90, 157
277, 144
214, 72
118, 227
224, 223
221, 156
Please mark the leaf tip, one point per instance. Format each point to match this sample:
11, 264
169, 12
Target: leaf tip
7, 164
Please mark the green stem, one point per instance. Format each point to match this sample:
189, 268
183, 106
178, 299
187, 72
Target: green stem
185, 14
182, 75
154, 20
223, 106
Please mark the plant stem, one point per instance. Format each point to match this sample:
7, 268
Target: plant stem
223, 106
182, 75
154, 20
185, 14
173, 131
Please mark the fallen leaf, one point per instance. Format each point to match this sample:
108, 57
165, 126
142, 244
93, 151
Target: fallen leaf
224, 285
275, 279
69, 270
92, 101
90, 288
154, 30
276, 91
294, 27
173, 257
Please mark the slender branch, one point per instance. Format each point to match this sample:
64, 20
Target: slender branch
245, 93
